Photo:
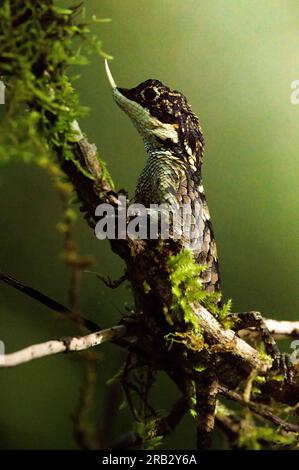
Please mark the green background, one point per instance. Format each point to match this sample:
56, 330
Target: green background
234, 60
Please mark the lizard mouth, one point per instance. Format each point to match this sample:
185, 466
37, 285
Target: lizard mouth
119, 94
134, 110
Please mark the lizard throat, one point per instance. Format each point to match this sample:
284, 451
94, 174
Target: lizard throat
176, 155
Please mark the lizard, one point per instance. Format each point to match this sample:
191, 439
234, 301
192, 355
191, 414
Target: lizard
174, 143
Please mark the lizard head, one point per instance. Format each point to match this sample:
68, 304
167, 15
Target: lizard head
162, 116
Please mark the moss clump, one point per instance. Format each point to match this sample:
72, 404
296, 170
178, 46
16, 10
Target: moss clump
37, 47
187, 288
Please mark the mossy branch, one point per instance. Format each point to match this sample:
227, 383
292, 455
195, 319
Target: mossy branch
37, 45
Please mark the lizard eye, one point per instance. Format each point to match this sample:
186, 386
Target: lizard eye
149, 94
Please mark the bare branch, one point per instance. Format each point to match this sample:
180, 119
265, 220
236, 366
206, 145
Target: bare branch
277, 328
259, 410
282, 327
70, 344
112, 284
48, 302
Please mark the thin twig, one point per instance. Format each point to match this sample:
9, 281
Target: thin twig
69, 344
112, 283
48, 302
59, 308
258, 409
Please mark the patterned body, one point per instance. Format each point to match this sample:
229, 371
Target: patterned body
174, 143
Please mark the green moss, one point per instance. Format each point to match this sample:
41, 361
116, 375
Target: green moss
187, 288
37, 47
148, 435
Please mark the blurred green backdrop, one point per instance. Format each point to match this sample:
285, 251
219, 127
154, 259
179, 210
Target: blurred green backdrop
234, 60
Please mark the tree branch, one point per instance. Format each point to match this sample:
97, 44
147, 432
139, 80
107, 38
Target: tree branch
283, 327
259, 410
49, 302
69, 344
226, 341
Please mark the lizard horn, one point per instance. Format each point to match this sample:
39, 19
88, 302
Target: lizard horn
109, 75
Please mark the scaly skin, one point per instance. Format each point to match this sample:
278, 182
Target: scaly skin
174, 143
